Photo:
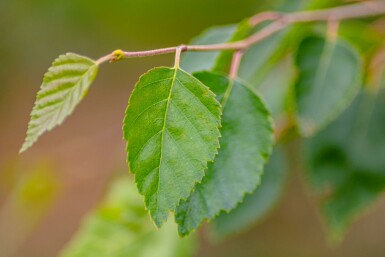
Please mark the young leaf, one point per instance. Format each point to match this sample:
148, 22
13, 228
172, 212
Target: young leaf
246, 144
257, 205
120, 228
347, 162
64, 86
329, 78
172, 128
198, 61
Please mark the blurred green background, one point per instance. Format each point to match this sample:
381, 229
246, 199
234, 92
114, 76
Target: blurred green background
45, 193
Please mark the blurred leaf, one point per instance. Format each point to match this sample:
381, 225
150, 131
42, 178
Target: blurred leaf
172, 129
246, 144
329, 78
368, 39
29, 199
276, 89
256, 61
198, 61
64, 86
120, 227
257, 205
347, 161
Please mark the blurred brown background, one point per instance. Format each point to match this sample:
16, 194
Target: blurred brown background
74, 163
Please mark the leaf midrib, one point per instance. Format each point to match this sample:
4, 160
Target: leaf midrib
163, 130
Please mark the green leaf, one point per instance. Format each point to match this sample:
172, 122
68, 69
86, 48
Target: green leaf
120, 227
277, 89
259, 59
257, 205
347, 162
172, 128
329, 78
64, 86
197, 61
246, 143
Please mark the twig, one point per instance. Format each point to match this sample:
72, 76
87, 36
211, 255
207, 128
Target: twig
332, 30
235, 64
281, 21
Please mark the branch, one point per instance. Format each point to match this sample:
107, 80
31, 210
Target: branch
237, 57
281, 21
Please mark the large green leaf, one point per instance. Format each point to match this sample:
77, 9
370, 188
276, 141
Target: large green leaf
347, 161
120, 227
329, 78
172, 128
64, 86
257, 205
245, 146
198, 61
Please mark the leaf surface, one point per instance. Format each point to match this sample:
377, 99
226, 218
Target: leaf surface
329, 78
64, 86
172, 129
246, 144
258, 204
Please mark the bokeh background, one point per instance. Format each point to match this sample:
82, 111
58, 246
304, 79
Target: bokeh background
45, 192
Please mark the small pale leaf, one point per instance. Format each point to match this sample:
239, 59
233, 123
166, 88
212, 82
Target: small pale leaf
64, 86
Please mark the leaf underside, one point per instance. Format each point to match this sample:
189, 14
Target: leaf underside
64, 86
329, 78
245, 147
172, 129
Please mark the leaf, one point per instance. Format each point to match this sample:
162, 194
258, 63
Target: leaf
347, 160
257, 205
260, 58
245, 147
277, 89
171, 127
329, 78
64, 86
197, 61
120, 227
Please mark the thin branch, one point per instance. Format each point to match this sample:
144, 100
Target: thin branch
332, 30
237, 57
264, 16
178, 52
281, 21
